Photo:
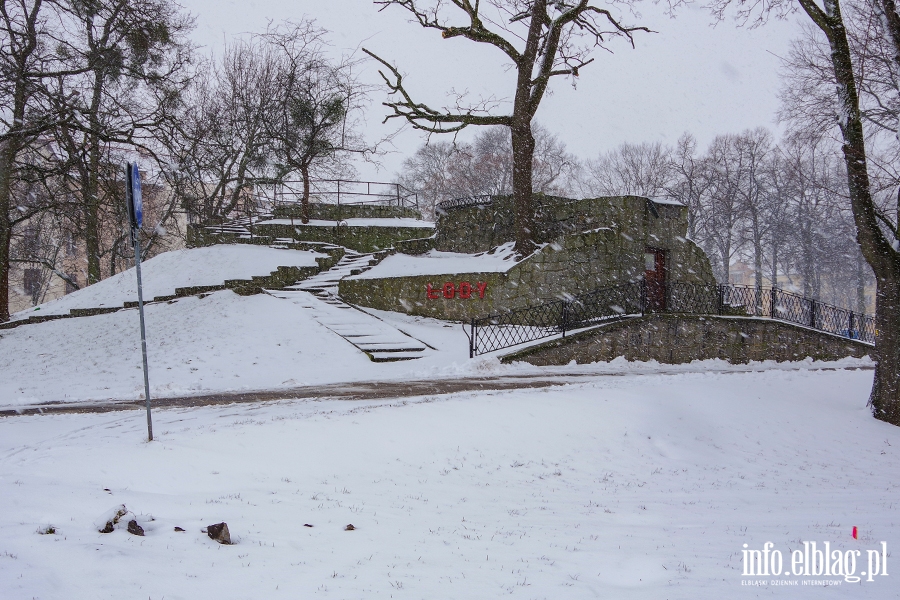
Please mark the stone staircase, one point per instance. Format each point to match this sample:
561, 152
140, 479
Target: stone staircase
326, 282
369, 334
380, 341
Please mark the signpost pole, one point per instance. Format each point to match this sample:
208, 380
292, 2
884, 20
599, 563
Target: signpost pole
137, 264
135, 212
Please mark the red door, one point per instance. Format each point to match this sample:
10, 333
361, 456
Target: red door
655, 276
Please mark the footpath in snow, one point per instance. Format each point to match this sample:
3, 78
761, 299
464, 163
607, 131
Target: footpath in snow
630, 487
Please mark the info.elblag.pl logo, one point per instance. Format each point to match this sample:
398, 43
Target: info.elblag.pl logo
813, 560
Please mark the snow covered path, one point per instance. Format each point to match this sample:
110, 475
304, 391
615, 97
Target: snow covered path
619, 487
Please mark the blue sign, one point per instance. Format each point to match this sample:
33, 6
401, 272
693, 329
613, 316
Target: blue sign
137, 202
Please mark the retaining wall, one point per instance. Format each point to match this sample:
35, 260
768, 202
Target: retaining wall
674, 339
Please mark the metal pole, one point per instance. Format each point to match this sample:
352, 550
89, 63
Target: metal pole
137, 264
472, 338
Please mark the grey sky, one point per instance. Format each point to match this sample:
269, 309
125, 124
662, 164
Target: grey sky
688, 76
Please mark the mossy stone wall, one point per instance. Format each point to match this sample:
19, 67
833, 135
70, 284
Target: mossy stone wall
571, 264
675, 339
361, 239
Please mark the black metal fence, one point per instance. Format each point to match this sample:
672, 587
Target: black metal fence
514, 327
338, 191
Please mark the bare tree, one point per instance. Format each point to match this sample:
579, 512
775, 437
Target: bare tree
314, 98
541, 38
877, 234
273, 106
134, 58
643, 169
27, 59
442, 170
218, 147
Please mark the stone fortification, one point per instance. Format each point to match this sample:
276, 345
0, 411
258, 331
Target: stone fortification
586, 244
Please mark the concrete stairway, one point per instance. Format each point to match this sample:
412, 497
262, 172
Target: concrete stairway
326, 282
380, 341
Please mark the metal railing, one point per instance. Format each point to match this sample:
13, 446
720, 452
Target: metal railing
531, 323
464, 202
338, 191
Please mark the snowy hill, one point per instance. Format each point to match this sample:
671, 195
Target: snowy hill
179, 268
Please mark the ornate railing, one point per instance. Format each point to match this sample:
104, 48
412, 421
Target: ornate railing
528, 324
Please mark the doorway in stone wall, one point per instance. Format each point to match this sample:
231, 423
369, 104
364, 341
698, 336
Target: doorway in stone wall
655, 278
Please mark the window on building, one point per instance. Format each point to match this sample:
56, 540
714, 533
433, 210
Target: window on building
32, 282
30, 245
71, 249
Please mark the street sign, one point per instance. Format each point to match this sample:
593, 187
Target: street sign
134, 196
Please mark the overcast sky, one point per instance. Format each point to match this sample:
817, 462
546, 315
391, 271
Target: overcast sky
688, 76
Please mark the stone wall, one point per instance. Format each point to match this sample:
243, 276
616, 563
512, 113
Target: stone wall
359, 238
674, 339
572, 264
480, 227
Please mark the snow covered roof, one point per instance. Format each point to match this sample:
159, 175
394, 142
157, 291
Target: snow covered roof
666, 201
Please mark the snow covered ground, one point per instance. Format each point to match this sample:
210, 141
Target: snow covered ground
638, 480
178, 268
435, 262
632, 486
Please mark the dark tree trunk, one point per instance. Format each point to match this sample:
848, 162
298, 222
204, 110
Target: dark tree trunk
884, 260
523, 197
860, 284
304, 200
5, 233
91, 185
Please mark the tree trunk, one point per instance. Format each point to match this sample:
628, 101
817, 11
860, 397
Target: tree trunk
884, 260
91, 186
91, 211
523, 198
757, 252
304, 200
5, 231
774, 276
860, 284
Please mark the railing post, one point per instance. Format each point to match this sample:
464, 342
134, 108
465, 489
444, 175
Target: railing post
721, 299
565, 317
472, 338
850, 326
773, 301
812, 313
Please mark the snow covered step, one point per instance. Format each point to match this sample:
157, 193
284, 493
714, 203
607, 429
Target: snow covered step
392, 356
369, 334
327, 281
